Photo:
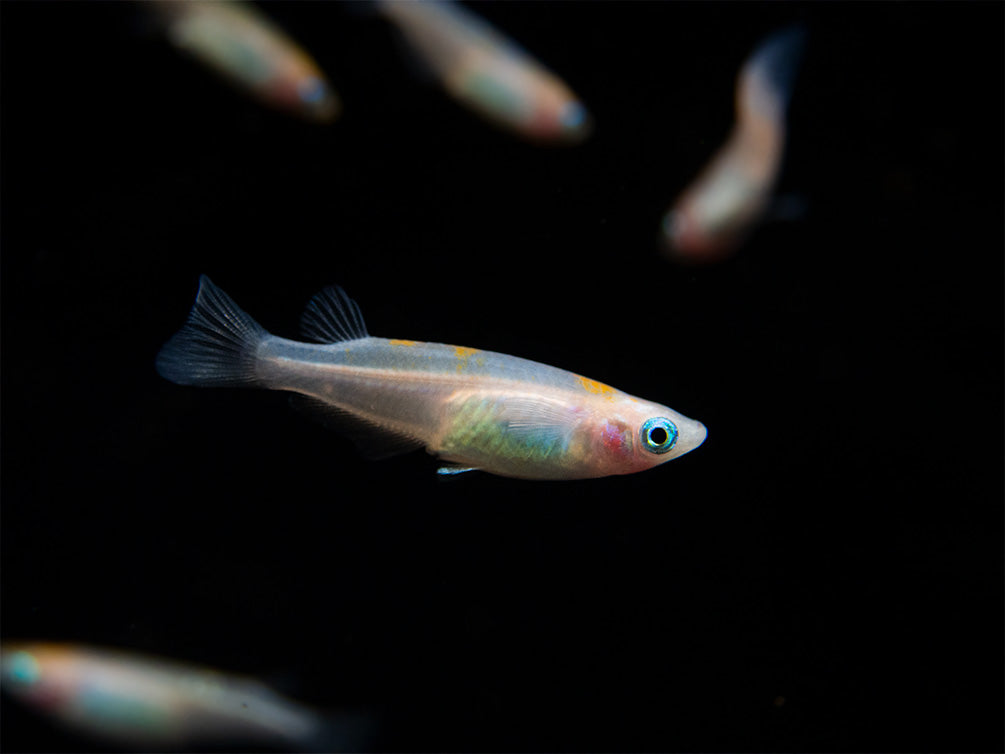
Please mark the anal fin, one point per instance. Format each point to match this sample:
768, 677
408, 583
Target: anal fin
454, 470
374, 442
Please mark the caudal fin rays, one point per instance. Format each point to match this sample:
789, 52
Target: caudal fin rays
217, 345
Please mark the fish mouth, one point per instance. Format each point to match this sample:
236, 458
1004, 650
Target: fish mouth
692, 435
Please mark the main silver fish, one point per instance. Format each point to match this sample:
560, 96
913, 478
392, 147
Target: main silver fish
474, 409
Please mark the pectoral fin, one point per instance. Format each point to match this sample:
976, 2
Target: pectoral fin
452, 470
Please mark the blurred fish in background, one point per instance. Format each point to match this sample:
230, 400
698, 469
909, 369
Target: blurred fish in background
488, 72
240, 43
714, 216
141, 702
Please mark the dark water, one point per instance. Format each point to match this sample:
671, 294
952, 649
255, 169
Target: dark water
824, 574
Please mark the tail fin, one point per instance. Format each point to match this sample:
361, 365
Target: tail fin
769, 74
217, 345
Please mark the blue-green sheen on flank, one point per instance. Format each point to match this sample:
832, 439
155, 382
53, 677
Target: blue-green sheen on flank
115, 708
477, 428
494, 94
22, 668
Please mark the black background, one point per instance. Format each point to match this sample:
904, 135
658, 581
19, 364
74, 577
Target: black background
824, 574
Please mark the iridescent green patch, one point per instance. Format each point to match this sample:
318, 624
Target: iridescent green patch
119, 709
494, 94
478, 431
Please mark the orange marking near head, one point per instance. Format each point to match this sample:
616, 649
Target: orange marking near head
403, 342
463, 353
597, 388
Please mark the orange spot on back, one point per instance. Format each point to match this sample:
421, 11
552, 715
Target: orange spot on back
597, 388
463, 354
403, 342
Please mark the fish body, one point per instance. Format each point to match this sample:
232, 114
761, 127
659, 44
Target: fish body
145, 702
487, 72
471, 408
245, 47
719, 210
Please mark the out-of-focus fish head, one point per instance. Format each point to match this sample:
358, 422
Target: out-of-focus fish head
85, 690
318, 99
523, 97
302, 88
559, 116
245, 47
639, 435
563, 119
41, 674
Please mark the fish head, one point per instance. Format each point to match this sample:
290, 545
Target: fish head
635, 435
316, 99
302, 88
522, 96
558, 116
565, 120
42, 674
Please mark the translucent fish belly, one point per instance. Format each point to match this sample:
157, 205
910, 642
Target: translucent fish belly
530, 436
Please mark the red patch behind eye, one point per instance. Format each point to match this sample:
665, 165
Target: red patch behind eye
615, 438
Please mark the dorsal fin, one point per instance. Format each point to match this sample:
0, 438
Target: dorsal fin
374, 442
331, 317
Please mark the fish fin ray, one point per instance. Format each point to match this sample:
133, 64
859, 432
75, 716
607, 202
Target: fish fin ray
531, 413
374, 442
332, 317
453, 469
216, 346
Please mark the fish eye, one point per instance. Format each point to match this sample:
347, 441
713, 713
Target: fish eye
21, 668
312, 90
658, 435
573, 116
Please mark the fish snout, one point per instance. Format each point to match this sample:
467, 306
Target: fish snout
318, 99
692, 434
574, 121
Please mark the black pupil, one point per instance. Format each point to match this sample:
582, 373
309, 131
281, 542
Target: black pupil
657, 435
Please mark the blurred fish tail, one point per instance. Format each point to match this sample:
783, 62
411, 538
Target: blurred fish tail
775, 65
216, 347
